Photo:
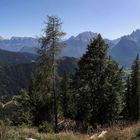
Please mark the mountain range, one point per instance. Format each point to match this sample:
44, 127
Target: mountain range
16, 44
18, 54
123, 49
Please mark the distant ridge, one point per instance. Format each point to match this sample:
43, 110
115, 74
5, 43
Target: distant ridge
123, 49
16, 57
15, 44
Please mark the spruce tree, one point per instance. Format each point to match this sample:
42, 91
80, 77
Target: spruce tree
97, 86
114, 92
135, 90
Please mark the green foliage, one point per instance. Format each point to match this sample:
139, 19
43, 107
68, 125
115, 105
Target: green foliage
13, 78
10, 57
43, 93
114, 92
64, 96
133, 92
46, 127
14, 135
9, 133
7, 109
50, 42
4, 129
127, 109
23, 113
66, 65
98, 88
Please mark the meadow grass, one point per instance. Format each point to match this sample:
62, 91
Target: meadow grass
114, 133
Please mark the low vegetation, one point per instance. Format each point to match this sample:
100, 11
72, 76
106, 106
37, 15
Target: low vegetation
8, 132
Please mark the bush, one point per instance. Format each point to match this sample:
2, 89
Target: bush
6, 133
4, 129
23, 115
46, 127
14, 135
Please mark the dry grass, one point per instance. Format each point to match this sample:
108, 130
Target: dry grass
46, 136
123, 133
114, 133
117, 132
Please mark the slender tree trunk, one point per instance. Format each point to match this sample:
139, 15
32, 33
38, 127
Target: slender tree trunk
55, 98
54, 91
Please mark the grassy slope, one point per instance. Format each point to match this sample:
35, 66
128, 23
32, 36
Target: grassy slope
114, 133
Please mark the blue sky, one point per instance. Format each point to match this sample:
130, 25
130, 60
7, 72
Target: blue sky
111, 18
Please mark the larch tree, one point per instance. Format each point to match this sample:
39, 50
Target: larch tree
45, 80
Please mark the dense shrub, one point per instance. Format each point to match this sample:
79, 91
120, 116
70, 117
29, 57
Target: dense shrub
46, 127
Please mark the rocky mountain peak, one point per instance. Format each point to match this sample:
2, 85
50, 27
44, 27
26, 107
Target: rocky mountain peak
135, 35
86, 36
1, 38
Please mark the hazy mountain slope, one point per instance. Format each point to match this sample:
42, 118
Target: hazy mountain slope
67, 64
135, 36
122, 49
16, 57
32, 50
14, 77
125, 52
76, 46
17, 43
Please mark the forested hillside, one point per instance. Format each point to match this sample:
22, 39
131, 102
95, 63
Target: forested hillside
16, 58
14, 77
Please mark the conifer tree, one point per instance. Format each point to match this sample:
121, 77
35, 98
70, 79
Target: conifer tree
127, 110
114, 92
64, 94
135, 90
44, 92
23, 111
98, 86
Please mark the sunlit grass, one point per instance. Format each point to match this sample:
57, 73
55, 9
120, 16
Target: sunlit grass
114, 133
